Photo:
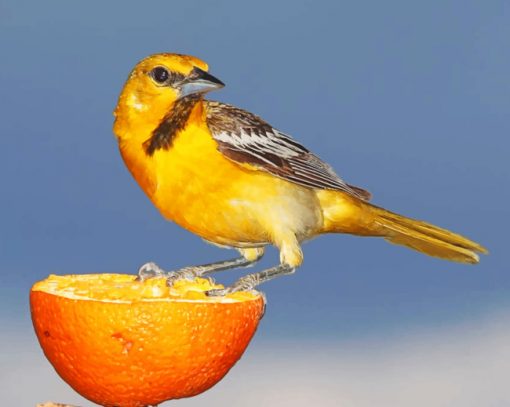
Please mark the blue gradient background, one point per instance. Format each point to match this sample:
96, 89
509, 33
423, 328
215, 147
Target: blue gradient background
408, 99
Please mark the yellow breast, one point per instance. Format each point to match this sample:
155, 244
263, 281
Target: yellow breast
194, 185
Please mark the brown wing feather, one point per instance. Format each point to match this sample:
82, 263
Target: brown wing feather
245, 138
367, 196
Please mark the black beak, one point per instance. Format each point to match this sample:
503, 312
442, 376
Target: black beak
199, 81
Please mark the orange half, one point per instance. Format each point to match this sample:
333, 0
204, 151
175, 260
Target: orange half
120, 342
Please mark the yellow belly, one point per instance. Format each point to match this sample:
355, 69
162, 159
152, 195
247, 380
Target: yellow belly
194, 185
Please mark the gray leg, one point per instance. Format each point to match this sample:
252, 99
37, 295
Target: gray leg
252, 280
248, 258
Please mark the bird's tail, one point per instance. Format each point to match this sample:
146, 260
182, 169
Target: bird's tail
346, 214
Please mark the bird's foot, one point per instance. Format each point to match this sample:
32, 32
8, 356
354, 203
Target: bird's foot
218, 292
186, 273
245, 283
150, 270
251, 281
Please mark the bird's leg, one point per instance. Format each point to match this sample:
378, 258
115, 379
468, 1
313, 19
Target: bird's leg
152, 270
252, 280
249, 256
192, 272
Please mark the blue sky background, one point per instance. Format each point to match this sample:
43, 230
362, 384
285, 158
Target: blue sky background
408, 99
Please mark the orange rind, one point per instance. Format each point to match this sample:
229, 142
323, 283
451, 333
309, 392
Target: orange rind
125, 343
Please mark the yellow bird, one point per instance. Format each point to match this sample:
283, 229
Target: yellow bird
231, 178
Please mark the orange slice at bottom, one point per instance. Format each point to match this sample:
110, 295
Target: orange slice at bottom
120, 342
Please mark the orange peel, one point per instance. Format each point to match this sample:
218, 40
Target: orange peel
124, 343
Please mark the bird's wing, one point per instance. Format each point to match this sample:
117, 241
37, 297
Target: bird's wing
245, 138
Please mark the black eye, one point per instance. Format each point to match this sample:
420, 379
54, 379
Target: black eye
160, 74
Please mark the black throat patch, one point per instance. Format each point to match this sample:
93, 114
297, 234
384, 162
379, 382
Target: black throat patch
173, 122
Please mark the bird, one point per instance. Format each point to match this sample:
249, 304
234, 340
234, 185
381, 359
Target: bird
236, 181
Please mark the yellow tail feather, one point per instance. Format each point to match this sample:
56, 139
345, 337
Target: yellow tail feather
426, 238
349, 215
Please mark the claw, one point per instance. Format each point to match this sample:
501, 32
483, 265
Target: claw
188, 273
150, 270
171, 279
218, 292
243, 284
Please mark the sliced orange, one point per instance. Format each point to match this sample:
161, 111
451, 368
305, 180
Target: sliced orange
123, 343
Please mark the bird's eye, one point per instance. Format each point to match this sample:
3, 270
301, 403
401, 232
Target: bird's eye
160, 74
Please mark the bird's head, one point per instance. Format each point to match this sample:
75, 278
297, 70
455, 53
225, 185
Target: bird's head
158, 81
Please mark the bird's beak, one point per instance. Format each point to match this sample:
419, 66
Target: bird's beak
199, 81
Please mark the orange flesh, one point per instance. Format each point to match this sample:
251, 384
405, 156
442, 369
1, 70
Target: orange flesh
125, 288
